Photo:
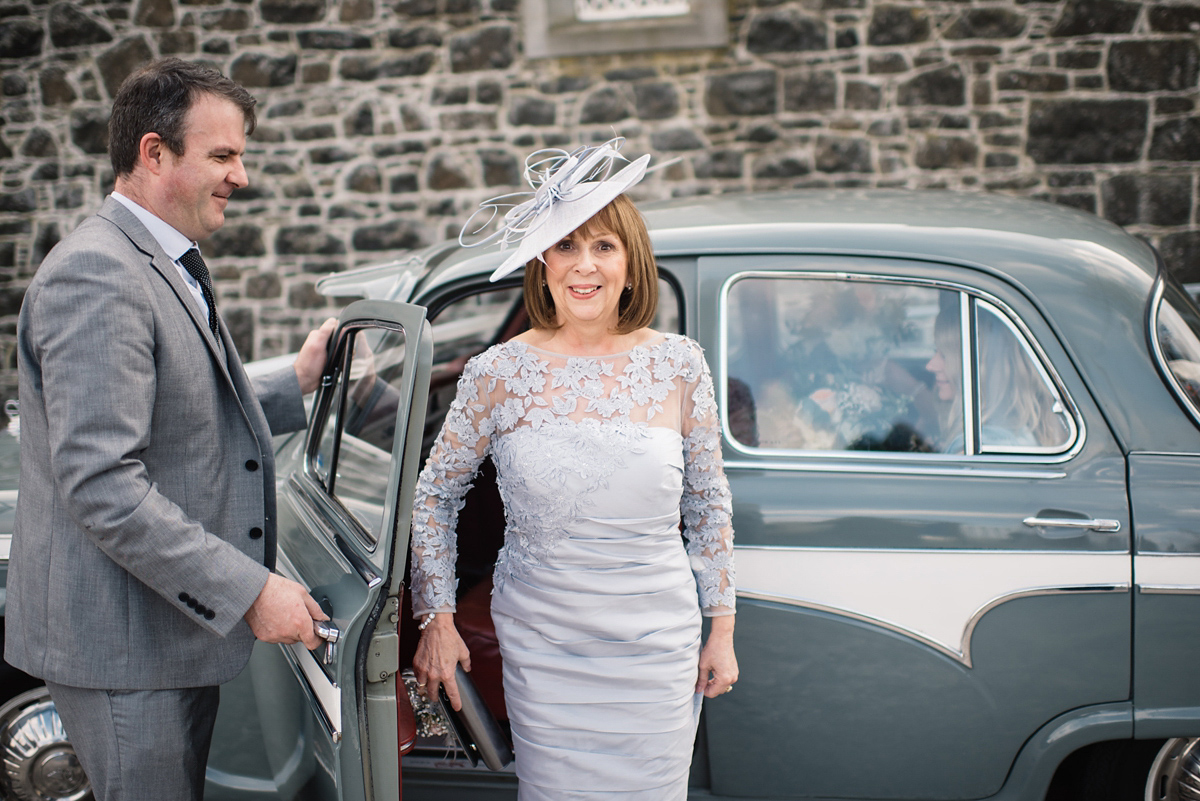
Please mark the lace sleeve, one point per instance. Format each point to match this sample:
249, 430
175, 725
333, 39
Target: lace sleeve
459, 450
706, 504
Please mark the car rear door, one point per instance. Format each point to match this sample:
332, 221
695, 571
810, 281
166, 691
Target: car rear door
323, 724
919, 593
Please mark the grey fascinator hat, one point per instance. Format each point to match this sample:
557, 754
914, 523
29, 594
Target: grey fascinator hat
568, 189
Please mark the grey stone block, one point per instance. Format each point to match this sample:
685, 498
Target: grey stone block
292, 12
786, 31
1176, 140
307, 239
1086, 131
946, 152
121, 60
71, 26
1156, 65
741, 93
944, 86
488, 48
1154, 199
897, 25
808, 91
263, 70
89, 130
1090, 17
987, 23
21, 38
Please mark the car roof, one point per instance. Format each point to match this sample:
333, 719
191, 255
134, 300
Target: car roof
1006, 235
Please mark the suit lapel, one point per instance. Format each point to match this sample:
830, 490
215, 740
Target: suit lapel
222, 351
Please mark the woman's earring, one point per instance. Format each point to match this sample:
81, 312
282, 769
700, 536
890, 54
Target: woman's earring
629, 285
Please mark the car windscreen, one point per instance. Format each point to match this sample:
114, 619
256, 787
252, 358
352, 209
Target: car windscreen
1175, 329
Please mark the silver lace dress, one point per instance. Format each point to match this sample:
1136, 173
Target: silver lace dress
597, 599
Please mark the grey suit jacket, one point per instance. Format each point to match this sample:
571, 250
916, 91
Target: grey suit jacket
145, 522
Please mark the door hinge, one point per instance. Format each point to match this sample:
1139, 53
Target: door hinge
383, 655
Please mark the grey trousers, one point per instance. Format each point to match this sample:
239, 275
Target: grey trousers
140, 745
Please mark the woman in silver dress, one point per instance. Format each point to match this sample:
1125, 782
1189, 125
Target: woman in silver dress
605, 435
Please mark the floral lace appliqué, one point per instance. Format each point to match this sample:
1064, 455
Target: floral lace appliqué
581, 416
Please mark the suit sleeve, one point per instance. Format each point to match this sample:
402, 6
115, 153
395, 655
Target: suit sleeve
281, 400
92, 332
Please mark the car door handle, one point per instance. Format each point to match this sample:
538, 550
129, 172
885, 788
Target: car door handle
1095, 524
330, 634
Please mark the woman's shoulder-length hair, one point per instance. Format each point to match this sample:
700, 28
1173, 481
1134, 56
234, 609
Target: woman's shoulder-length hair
639, 303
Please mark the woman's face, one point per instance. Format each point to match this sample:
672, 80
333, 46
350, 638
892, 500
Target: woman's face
945, 377
586, 274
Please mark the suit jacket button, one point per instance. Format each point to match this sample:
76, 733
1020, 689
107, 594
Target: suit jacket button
192, 602
183, 596
255, 533
209, 614
251, 465
201, 609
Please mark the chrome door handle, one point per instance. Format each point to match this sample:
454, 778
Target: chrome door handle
1097, 524
330, 634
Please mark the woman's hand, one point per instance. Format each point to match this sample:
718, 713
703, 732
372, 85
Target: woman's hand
440, 650
718, 665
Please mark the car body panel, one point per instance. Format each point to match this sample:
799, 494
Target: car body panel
883, 607
1167, 604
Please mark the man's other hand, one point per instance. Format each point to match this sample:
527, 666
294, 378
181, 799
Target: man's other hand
310, 362
284, 612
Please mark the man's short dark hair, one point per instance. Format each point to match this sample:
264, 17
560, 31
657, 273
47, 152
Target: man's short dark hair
156, 99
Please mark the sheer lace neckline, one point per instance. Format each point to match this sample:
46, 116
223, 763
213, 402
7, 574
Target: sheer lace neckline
659, 339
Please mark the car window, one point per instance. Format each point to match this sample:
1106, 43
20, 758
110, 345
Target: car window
1177, 338
1019, 407
353, 457
851, 364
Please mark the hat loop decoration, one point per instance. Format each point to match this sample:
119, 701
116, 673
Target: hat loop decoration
569, 188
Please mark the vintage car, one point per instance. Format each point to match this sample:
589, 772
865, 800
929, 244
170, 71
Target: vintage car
963, 438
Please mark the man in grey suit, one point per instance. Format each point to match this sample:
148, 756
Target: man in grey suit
142, 557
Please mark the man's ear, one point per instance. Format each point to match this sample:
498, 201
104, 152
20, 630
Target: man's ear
151, 152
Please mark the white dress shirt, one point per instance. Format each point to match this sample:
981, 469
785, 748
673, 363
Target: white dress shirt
173, 243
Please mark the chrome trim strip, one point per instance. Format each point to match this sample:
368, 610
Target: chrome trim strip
5, 546
1160, 359
980, 551
1024, 338
963, 653
1169, 589
911, 470
966, 356
1071, 409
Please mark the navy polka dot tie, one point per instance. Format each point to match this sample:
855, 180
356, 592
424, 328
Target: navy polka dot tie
197, 269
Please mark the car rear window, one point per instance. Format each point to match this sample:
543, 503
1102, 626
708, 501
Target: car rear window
1176, 336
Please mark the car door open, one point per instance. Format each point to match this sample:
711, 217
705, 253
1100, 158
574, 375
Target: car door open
324, 724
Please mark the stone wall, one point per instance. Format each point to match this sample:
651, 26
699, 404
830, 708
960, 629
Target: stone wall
384, 122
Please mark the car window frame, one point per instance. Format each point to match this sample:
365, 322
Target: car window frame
1153, 313
334, 391
968, 296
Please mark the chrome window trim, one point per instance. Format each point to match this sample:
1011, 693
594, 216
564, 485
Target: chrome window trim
866, 457
1024, 338
983, 551
1169, 589
1160, 360
996, 471
967, 373
962, 655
